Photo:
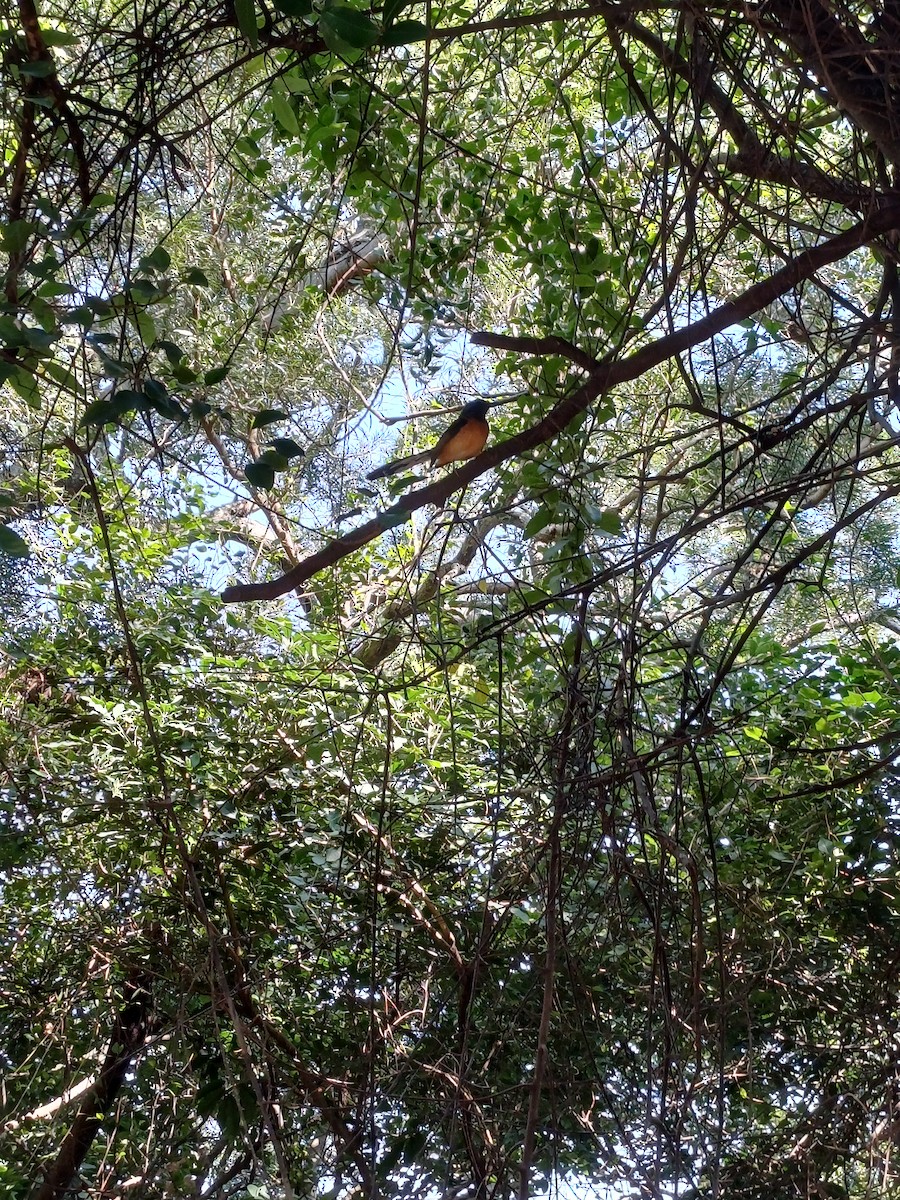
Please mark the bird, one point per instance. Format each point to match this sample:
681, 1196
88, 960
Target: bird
464, 438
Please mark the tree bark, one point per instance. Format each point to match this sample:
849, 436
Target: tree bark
128, 1036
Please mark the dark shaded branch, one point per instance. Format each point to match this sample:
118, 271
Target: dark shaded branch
608, 374
752, 158
540, 347
38, 52
128, 1036
842, 59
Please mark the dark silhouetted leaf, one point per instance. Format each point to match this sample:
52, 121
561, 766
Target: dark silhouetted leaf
260, 474
245, 11
344, 28
38, 70
267, 416
99, 412
11, 543
172, 352
405, 32
286, 447
294, 8
158, 260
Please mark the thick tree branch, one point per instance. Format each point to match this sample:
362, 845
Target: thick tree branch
843, 60
129, 1034
608, 374
38, 52
540, 347
752, 157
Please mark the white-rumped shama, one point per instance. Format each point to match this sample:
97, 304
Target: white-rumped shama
463, 439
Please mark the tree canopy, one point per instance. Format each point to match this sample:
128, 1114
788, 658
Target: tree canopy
523, 826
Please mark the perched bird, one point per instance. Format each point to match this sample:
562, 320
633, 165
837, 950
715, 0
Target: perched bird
463, 439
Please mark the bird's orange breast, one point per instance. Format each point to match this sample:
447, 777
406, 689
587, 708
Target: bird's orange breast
465, 444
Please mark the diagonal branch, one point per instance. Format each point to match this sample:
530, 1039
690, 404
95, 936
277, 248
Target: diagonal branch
607, 374
752, 158
843, 60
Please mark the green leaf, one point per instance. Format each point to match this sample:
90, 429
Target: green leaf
43, 313
541, 519
26, 385
81, 315
100, 307
286, 447
126, 400
158, 260
114, 368
172, 352
392, 517
184, 374
14, 235
144, 291
11, 543
99, 412
284, 114
273, 459
162, 402
40, 339
195, 277
52, 288
156, 391
344, 28
245, 11
267, 416
260, 474
392, 9
145, 325
323, 133
56, 37
294, 8
229, 1117
247, 146
10, 332
38, 70
216, 375
610, 522
209, 1096
405, 32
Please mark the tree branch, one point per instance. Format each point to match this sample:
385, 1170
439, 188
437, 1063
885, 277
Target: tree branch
842, 59
606, 375
752, 158
129, 1034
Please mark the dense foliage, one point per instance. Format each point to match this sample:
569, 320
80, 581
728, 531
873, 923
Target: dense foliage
528, 826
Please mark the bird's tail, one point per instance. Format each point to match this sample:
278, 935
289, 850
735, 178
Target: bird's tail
401, 464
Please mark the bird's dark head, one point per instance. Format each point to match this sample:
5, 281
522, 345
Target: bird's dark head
476, 409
